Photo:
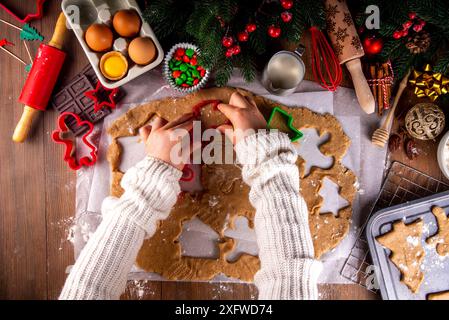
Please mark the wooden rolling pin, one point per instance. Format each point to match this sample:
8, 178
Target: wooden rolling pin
41, 80
349, 50
382, 135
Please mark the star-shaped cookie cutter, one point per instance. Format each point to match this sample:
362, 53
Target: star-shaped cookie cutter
28, 17
70, 154
295, 133
99, 93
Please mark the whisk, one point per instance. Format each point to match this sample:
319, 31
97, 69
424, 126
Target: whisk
325, 65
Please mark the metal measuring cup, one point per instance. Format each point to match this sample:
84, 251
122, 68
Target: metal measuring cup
284, 72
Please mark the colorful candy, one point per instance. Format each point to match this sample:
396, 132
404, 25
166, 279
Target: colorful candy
184, 68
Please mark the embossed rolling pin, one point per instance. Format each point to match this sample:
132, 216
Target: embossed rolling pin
349, 50
381, 135
41, 80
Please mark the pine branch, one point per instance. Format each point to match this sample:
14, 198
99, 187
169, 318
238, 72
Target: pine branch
223, 74
247, 67
443, 64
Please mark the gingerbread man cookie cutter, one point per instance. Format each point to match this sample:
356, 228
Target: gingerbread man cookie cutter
58, 136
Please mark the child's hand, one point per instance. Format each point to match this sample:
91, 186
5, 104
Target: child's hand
160, 138
244, 115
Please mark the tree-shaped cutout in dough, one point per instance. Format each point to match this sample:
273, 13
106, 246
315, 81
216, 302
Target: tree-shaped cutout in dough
309, 150
407, 253
199, 240
441, 239
332, 202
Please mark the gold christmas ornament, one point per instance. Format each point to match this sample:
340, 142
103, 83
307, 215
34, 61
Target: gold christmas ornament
425, 121
429, 84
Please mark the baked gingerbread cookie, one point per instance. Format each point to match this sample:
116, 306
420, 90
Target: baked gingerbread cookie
225, 195
407, 253
441, 239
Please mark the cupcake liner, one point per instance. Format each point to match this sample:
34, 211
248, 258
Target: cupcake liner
167, 71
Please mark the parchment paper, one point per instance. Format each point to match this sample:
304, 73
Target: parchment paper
197, 239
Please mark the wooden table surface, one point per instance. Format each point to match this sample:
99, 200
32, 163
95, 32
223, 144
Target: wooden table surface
37, 194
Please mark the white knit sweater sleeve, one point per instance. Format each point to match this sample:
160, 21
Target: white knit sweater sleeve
288, 268
100, 272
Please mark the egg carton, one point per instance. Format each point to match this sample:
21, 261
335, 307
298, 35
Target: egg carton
81, 14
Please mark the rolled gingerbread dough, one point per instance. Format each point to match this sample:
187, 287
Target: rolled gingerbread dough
225, 195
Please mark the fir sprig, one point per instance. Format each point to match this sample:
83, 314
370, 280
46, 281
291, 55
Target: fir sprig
206, 22
393, 14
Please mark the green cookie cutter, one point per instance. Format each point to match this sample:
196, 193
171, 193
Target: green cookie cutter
295, 133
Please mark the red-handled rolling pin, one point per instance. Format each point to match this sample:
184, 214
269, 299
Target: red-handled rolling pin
41, 80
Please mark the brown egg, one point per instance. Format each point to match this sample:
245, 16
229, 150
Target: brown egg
99, 37
142, 50
127, 23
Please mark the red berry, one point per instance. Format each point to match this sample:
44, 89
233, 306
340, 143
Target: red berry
422, 23
286, 16
274, 31
193, 61
404, 33
412, 15
227, 42
407, 25
202, 73
195, 82
243, 36
176, 74
186, 59
397, 34
417, 28
185, 85
236, 49
180, 52
178, 58
229, 53
251, 27
287, 4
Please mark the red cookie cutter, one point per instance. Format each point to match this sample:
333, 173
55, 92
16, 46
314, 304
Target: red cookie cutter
70, 154
187, 173
103, 97
196, 109
28, 17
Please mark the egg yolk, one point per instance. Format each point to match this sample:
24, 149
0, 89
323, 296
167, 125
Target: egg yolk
114, 67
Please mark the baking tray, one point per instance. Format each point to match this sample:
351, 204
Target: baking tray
401, 184
435, 267
82, 13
